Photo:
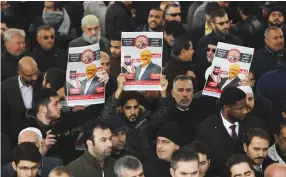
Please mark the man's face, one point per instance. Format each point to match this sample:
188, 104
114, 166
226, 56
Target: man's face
29, 76
188, 54
210, 52
190, 169
29, 136
16, 46
173, 13
221, 25
55, 174
250, 100
26, 168
131, 110
115, 48
237, 112
165, 148
146, 57
170, 39
127, 60
102, 146
3, 29
204, 164
54, 108
118, 140
241, 170
155, 19
46, 39
276, 18
91, 30
281, 140
105, 63
183, 93
49, 6
72, 75
216, 70
275, 40
257, 150
91, 71
134, 173
234, 70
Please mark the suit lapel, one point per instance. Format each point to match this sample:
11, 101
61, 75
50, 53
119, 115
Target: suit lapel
146, 74
221, 129
17, 94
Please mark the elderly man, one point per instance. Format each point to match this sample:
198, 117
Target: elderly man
15, 49
34, 136
232, 79
91, 34
128, 166
92, 81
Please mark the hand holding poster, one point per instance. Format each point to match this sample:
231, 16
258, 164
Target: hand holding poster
141, 60
82, 76
229, 68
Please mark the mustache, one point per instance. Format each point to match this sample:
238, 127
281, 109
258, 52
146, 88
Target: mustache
259, 158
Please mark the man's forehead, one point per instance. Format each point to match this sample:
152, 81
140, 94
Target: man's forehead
27, 163
272, 33
49, 31
131, 102
172, 9
163, 139
102, 133
221, 19
92, 26
183, 84
156, 12
54, 99
211, 46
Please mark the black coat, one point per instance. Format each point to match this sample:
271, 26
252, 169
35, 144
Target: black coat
166, 52
9, 64
213, 132
118, 19
13, 108
268, 161
156, 167
56, 58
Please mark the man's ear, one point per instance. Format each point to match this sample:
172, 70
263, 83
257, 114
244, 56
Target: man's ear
89, 143
48, 85
244, 147
177, 147
276, 138
43, 109
172, 92
172, 172
14, 166
38, 39
121, 109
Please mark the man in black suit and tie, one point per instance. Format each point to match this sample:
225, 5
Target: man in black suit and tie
223, 131
256, 148
144, 71
17, 95
89, 85
232, 80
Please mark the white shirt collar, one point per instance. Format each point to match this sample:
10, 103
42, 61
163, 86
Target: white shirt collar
258, 169
227, 124
21, 85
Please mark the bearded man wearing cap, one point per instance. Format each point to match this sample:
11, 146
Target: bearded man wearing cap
168, 140
91, 35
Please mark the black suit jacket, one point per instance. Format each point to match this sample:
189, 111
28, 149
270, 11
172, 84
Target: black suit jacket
13, 108
151, 69
91, 89
213, 132
233, 83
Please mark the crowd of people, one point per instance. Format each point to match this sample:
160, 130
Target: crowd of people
174, 132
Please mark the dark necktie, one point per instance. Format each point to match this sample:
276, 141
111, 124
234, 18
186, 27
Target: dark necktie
233, 133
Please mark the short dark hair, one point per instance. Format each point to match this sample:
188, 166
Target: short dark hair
282, 124
237, 159
174, 28
60, 170
26, 151
256, 132
170, 5
158, 9
180, 43
211, 7
116, 36
44, 27
130, 95
246, 8
91, 125
230, 96
43, 98
217, 13
56, 77
184, 154
200, 147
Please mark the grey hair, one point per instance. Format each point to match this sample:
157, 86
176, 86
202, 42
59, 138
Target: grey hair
61, 170
12, 32
275, 28
127, 162
182, 78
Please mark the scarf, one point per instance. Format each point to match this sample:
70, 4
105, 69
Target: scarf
54, 17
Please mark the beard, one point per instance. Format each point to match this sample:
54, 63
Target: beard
279, 24
92, 39
221, 32
90, 75
127, 63
28, 82
157, 27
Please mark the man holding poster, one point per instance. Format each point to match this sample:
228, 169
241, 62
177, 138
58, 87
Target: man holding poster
144, 71
89, 85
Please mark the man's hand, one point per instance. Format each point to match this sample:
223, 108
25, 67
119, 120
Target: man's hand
48, 142
120, 84
191, 73
103, 78
164, 86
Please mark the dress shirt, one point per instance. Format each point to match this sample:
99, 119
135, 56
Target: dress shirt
227, 125
27, 94
88, 84
143, 69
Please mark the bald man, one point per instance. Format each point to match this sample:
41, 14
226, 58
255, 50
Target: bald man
34, 135
275, 170
233, 79
144, 71
17, 96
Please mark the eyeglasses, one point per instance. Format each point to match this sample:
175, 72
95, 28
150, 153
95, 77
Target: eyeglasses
27, 168
164, 142
209, 49
175, 14
47, 37
222, 23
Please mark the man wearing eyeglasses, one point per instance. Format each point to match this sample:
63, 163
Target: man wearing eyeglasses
167, 142
47, 55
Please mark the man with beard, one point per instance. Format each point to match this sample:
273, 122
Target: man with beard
73, 81
266, 59
214, 78
155, 21
128, 66
225, 129
147, 68
17, 95
15, 49
92, 81
96, 159
220, 25
233, 79
256, 147
91, 34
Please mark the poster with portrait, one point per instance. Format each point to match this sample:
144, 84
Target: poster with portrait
82, 76
141, 60
229, 68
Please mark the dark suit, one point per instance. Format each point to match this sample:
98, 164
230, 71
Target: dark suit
91, 89
233, 83
213, 132
13, 107
151, 69
48, 164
